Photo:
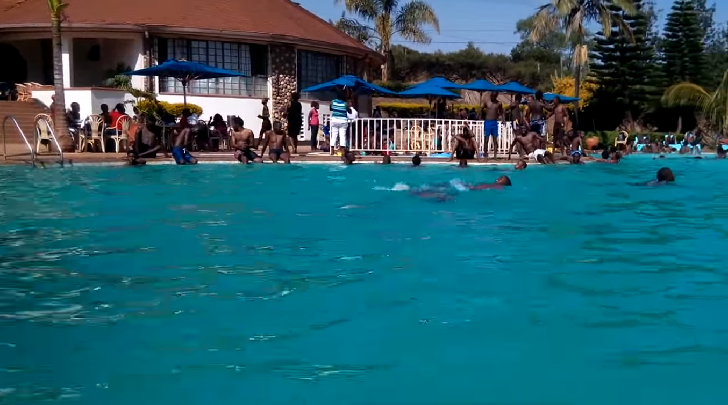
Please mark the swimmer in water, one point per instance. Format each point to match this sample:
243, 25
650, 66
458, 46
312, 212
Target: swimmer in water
349, 157
664, 176
386, 160
416, 160
445, 192
720, 152
463, 163
521, 165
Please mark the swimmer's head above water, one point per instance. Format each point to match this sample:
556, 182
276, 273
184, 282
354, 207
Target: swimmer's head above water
665, 175
416, 160
503, 181
463, 163
386, 160
521, 164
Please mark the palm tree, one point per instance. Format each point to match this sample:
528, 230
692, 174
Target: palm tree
713, 106
390, 19
56, 8
574, 16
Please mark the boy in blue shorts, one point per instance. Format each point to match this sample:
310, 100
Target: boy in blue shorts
493, 112
179, 150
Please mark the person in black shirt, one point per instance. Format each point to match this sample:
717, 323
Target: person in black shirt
295, 120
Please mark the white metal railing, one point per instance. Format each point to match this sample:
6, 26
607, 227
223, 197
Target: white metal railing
425, 135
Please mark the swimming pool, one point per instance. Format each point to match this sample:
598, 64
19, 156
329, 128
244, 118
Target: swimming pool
316, 284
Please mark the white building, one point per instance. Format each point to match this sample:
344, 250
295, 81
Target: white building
278, 44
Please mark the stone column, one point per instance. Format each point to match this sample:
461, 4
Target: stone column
283, 69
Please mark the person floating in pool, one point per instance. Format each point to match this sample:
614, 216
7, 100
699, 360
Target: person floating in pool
664, 176
179, 150
277, 139
447, 191
416, 160
146, 142
530, 144
465, 146
243, 140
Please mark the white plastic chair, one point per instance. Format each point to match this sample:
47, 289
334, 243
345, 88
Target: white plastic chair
97, 128
42, 124
122, 135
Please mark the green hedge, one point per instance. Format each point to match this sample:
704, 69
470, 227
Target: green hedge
159, 108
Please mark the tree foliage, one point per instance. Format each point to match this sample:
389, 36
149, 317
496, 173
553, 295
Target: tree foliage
624, 66
566, 86
713, 106
683, 44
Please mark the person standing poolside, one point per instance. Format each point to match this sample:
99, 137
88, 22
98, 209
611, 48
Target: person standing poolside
520, 125
561, 117
493, 111
530, 143
313, 123
265, 117
243, 140
465, 146
294, 115
179, 150
338, 125
536, 115
277, 139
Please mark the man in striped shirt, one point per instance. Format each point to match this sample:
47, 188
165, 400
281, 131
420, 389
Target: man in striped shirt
339, 124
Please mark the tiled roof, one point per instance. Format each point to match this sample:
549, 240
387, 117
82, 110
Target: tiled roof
276, 18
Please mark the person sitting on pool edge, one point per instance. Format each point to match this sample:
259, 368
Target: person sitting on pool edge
179, 150
465, 146
146, 142
277, 138
243, 140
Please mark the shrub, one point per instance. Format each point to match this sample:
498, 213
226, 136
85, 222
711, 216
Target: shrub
160, 108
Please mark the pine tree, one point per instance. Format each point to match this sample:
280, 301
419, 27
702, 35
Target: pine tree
625, 67
683, 44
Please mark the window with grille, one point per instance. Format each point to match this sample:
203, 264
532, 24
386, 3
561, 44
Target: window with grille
315, 68
250, 60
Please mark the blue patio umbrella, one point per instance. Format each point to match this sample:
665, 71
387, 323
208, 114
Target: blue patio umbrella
348, 82
440, 82
481, 86
516, 88
428, 90
564, 99
185, 71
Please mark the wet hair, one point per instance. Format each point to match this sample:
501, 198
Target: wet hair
349, 157
665, 174
463, 163
605, 154
416, 160
539, 95
521, 164
104, 108
503, 181
314, 104
277, 125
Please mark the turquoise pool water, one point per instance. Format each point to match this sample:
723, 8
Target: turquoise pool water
315, 284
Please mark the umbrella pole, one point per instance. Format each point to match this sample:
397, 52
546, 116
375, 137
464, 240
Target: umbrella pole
184, 94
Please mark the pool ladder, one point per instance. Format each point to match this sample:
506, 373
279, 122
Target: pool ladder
33, 153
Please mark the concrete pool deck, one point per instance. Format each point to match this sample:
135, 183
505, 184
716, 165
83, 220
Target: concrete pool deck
118, 159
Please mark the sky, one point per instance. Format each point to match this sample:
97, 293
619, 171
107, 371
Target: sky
490, 24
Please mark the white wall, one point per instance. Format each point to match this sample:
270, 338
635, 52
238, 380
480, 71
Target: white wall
89, 100
88, 73
246, 108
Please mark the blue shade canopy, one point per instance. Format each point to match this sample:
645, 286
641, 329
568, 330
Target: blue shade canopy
481, 85
184, 71
440, 82
564, 99
427, 90
351, 82
516, 88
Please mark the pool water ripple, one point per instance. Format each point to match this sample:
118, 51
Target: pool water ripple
332, 284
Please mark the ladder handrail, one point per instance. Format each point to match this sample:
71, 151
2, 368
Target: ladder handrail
22, 134
53, 136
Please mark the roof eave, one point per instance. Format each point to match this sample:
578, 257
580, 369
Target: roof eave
359, 51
